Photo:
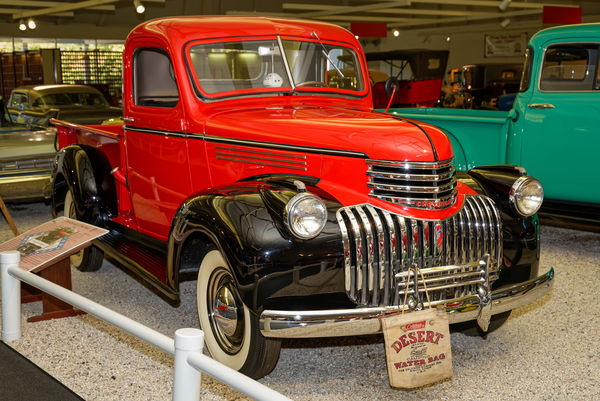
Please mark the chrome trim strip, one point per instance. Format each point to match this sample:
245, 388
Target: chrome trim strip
347, 262
412, 177
412, 165
379, 272
299, 148
359, 321
160, 132
244, 152
411, 188
368, 274
359, 254
263, 163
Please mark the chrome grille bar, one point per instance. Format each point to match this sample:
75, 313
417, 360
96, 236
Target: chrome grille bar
380, 246
424, 185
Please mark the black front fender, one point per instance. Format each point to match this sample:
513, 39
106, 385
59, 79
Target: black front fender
270, 265
521, 235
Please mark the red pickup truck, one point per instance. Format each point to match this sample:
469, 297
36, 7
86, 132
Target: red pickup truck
251, 159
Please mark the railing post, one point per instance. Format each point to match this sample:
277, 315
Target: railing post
186, 379
11, 297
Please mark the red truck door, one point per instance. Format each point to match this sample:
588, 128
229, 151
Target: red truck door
156, 148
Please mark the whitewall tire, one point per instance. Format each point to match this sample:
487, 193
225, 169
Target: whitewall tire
231, 331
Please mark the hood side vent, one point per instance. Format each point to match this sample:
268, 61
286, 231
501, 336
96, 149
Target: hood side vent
261, 157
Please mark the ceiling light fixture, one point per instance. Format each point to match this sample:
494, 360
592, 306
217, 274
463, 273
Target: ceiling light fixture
504, 5
448, 38
505, 22
31, 24
139, 7
22, 25
396, 33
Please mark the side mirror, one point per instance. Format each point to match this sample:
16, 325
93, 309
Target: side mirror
390, 84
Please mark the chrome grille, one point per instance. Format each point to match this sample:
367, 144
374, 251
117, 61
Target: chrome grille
423, 185
380, 246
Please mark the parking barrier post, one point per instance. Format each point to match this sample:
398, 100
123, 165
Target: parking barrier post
186, 379
11, 297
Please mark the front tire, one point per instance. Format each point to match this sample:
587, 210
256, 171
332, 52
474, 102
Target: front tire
231, 331
89, 259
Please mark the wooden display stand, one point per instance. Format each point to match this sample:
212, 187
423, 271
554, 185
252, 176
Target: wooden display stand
52, 307
46, 250
8, 217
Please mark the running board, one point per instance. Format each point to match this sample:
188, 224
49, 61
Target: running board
148, 261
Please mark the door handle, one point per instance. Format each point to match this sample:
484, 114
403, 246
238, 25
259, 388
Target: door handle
540, 106
128, 119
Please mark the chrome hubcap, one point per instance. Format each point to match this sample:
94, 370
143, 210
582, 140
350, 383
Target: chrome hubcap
226, 311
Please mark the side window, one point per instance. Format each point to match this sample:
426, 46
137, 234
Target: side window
570, 67
18, 100
154, 79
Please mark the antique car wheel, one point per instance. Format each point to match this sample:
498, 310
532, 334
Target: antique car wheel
472, 329
89, 259
230, 330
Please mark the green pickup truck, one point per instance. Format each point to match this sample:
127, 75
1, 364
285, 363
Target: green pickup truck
553, 129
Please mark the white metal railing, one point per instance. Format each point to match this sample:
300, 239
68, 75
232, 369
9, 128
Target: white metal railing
186, 347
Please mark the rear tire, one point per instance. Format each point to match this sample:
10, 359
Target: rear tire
231, 331
89, 259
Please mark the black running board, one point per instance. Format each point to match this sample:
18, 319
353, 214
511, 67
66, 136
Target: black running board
129, 249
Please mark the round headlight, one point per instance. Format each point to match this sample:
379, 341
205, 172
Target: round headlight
526, 195
305, 215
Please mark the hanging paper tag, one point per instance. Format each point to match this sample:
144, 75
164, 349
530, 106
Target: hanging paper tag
417, 348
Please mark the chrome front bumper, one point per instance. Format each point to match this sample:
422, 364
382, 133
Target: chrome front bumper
359, 321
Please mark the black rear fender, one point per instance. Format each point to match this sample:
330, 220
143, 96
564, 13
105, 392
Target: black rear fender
86, 172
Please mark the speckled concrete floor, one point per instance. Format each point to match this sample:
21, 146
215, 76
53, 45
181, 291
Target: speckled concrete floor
546, 351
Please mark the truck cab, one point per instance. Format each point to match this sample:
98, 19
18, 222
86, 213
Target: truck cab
251, 159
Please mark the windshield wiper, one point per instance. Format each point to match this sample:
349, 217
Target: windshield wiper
326, 54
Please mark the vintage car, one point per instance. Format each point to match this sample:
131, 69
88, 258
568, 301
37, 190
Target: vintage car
480, 86
27, 156
417, 75
554, 118
80, 104
298, 208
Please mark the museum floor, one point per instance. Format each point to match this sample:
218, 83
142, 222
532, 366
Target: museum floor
545, 351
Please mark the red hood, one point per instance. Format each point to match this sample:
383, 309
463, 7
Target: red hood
379, 136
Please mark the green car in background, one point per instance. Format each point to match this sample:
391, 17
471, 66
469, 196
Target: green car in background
553, 129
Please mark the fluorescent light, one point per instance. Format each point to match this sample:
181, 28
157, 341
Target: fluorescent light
505, 22
139, 7
504, 4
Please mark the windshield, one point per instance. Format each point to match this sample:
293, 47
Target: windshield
266, 66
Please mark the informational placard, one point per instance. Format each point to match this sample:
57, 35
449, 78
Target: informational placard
504, 45
49, 242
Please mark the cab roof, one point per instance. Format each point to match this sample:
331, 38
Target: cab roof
567, 32
179, 30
